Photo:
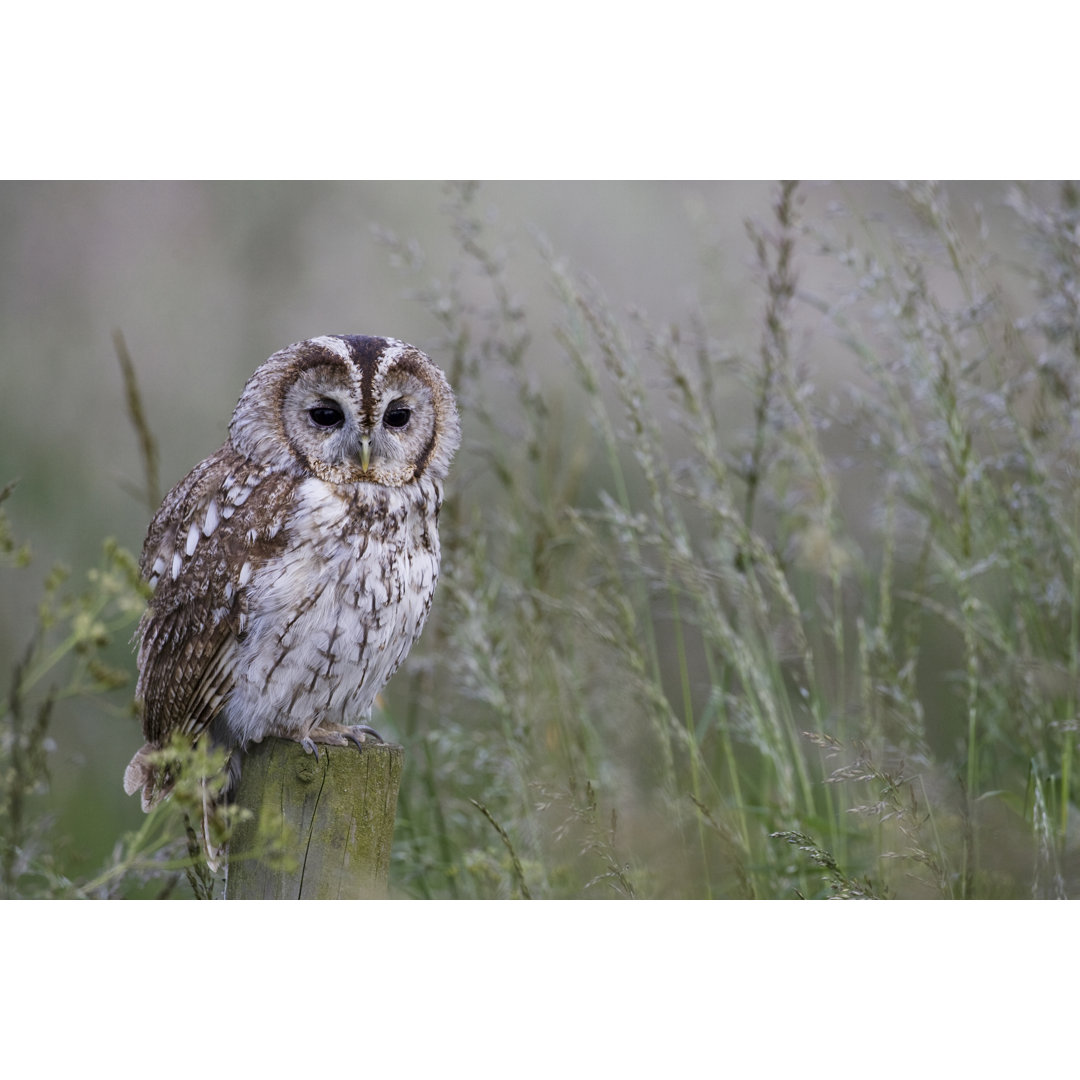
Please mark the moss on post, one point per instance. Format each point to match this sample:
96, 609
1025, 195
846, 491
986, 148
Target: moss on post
329, 822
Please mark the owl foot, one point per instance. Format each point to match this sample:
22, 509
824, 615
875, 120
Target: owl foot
339, 735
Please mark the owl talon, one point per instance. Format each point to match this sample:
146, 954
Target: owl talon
357, 733
310, 747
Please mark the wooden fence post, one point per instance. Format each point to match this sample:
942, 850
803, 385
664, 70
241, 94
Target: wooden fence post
339, 818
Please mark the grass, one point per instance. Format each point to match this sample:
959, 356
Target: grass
798, 618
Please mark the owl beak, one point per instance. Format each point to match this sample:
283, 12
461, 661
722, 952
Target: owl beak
365, 453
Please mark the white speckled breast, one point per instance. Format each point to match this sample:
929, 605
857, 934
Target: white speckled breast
334, 615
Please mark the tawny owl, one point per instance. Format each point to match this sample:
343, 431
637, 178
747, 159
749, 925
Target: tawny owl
293, 570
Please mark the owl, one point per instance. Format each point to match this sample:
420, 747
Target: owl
293, 569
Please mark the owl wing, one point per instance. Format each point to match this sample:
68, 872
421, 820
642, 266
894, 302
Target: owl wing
212, 532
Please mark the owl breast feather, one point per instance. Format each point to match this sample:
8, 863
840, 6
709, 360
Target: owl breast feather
333, 615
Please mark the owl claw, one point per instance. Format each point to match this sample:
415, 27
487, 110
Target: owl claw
339, 735
356, 733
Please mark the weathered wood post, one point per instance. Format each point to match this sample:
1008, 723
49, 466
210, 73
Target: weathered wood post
338, 814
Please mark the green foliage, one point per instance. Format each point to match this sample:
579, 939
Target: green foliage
744, 624
65, 658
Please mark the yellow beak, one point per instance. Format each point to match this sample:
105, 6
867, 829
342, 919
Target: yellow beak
365, 453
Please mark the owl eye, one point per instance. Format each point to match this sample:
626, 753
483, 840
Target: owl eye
326, 416
397, 415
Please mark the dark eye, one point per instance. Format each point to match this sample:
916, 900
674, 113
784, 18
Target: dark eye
326, 416
397, 415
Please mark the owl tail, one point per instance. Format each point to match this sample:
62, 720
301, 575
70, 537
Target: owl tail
215, 853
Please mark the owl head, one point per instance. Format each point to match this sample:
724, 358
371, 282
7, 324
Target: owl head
349, 409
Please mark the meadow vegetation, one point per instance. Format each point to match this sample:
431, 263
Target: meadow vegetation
714, 621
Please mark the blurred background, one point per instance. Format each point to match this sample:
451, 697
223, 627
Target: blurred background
205, 280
